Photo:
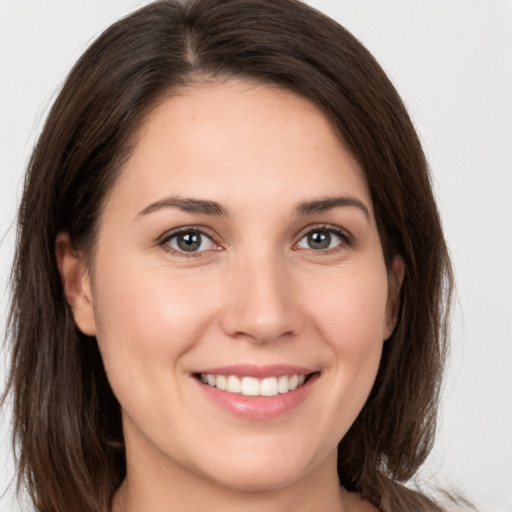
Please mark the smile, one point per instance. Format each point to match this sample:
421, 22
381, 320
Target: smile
252, 386
257, 392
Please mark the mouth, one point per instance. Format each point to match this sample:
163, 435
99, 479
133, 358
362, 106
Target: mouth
253, 386
257, 393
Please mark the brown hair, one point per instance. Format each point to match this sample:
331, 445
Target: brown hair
67, 424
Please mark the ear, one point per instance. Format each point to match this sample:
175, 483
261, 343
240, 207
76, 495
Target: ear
77, 284
396, 275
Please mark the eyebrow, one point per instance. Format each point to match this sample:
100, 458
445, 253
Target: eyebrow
185, 204
328, 203
206, 207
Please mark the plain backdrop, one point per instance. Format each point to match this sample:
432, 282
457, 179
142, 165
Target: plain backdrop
451, 60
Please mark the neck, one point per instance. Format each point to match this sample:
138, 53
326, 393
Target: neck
173, 488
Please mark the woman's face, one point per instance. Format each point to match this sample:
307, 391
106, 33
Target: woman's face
239, 247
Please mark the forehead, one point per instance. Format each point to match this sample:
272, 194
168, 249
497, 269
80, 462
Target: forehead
239, 142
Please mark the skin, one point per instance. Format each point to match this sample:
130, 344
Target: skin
258, 293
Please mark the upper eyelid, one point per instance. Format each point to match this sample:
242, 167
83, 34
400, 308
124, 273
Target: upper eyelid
163, 242
184, 229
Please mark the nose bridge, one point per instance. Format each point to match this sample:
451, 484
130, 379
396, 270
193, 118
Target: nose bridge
260, 304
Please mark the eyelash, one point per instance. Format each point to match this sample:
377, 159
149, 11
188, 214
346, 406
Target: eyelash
346, 239
166, 239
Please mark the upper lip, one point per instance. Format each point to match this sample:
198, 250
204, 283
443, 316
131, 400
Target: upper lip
258, 372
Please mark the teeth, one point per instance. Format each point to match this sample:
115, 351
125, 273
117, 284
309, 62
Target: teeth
221, 382
268, 387
283, 384
250, 386
294, 381
234, 384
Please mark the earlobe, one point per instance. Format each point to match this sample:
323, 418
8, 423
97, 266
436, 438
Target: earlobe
76, 282
396, 275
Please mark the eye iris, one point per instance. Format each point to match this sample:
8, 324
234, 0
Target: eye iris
190, 241
319, 240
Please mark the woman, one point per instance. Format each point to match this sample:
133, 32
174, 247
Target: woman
230, 281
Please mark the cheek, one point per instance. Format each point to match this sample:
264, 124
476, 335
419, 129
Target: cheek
151, 311
350, 315
351, 309
145, 325
147, 319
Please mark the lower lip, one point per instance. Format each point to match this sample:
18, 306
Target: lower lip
259, 407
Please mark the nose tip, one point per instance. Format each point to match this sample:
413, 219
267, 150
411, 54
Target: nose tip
260, 306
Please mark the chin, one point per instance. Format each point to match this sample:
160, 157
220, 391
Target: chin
257, 479
265, 469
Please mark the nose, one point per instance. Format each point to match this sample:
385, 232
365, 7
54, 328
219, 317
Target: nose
260, 305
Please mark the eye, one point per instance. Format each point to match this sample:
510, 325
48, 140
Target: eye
321, 239
189, 241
